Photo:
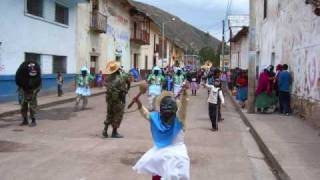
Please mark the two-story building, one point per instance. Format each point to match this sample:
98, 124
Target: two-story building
103, 34
42, 30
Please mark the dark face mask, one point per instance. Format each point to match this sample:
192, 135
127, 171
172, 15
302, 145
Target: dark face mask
179, 73
83, 73
156, 72
32, 69
168, 107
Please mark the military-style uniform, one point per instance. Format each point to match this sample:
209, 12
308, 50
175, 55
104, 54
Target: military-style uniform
115, 98
28, 101
28, 80
117, 84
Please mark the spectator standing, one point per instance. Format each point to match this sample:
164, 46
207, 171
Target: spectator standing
99, 80
284, 83
60, 83
242, 89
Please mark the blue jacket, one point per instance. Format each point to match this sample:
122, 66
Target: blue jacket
284, 81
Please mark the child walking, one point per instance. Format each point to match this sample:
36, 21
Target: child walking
168, 159
194, 85
215, 99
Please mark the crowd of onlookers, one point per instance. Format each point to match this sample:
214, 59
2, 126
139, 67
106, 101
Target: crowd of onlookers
272, 91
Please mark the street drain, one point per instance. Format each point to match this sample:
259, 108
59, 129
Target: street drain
8, 146
132, 158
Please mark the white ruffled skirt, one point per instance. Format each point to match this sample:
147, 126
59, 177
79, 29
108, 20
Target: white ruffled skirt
176, 89
83, 91
171, 163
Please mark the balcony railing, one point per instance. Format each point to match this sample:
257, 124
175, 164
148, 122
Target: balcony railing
98, 22
141, 37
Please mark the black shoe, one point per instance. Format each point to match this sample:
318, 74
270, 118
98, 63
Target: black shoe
214, 129
33, 123
115, 134
24, 122
105, 134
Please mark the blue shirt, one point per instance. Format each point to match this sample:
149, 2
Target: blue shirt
284, 81
162, 134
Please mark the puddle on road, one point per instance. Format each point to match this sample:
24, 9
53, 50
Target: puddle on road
9, 146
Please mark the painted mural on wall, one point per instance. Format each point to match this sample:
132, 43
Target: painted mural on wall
294, 35
118, 30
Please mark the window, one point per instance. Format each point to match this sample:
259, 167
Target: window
33, 57
35, 7
59, 64
265, 8
62, 14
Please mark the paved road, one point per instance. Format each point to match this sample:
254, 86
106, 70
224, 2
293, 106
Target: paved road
68, 146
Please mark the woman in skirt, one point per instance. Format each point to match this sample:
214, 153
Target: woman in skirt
168, 159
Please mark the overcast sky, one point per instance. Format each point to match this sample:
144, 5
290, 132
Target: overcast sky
206, 15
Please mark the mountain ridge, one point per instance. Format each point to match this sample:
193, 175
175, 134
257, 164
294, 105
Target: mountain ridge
189, 37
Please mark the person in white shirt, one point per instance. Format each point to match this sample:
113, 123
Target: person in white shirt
215, 99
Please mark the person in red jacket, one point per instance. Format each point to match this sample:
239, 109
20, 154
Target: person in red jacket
242, 88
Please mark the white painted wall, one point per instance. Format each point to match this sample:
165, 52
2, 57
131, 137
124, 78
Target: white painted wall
118, 34
20, 33
239, 53
292, 31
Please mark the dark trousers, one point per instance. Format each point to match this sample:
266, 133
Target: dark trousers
214, 115
284, 101
60, 92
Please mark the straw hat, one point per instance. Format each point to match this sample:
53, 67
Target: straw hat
112, 67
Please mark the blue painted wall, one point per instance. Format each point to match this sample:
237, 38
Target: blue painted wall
8, 88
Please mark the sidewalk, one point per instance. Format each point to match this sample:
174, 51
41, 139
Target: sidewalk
293, 143
13, 107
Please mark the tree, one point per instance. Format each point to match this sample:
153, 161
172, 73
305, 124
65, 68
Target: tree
209, 54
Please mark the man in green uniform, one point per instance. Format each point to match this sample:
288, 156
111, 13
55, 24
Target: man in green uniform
117, 87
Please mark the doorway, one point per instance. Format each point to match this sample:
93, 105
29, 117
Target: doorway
135, 60
93, 65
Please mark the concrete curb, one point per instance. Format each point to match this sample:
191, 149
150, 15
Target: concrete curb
272, 162
55, 103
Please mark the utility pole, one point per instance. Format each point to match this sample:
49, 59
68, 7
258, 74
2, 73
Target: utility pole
252, 58
222, 46
230, 54
162, 43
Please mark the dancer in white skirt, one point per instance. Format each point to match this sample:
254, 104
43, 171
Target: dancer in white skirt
178, 80
83, 87
168, 159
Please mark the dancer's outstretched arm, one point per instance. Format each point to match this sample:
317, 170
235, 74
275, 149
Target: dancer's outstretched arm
182, 107
143, 110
